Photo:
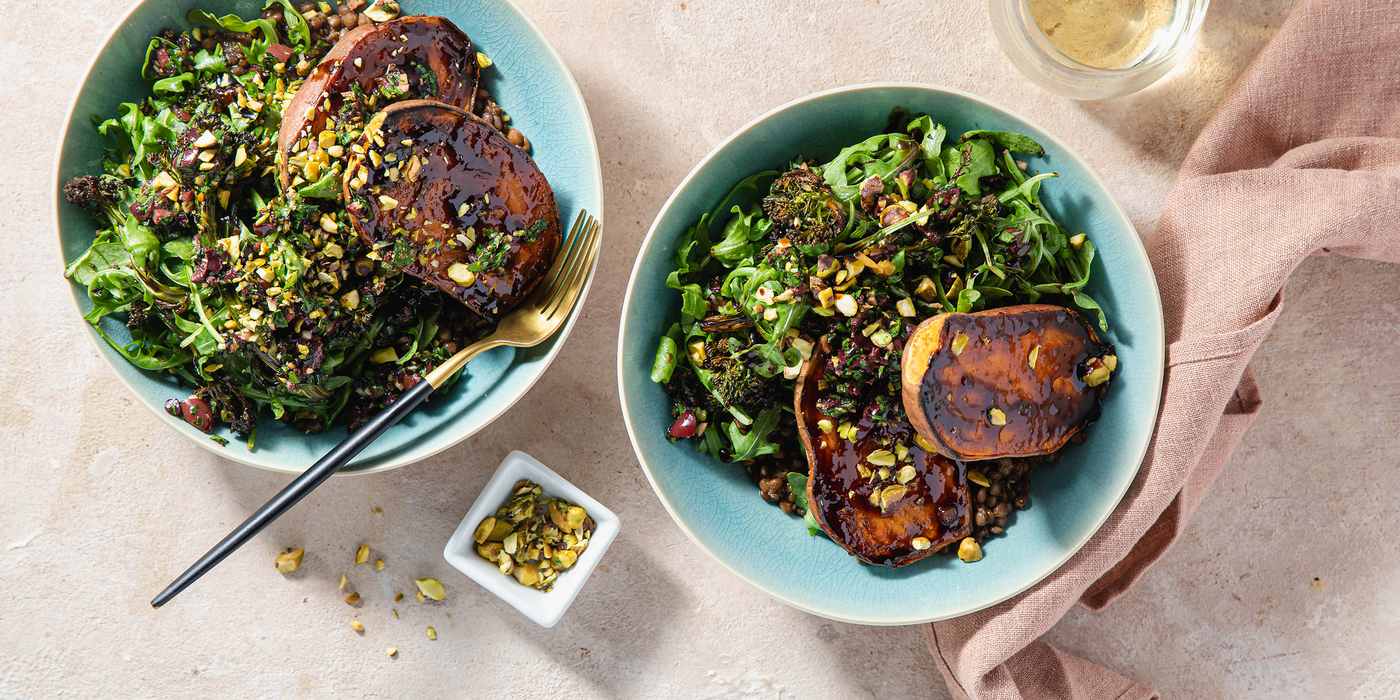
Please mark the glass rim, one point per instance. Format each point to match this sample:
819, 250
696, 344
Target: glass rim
1031, 52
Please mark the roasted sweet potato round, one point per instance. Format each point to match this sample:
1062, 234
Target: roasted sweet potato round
876, 491
373, 66
1017, 381
442, 196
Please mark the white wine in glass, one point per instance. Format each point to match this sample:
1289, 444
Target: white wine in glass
1105, 33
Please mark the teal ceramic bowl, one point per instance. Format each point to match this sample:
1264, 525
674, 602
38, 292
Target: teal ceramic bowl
528, 79
719, 508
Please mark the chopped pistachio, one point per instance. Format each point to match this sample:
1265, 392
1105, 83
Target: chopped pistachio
959, 342
891, 495
906, 474
432, 633
527, 574
398, 596
355, 625
1098, 371
969, 551
1033, 356
923, 444
905, 307
461, 274
484, 529
921, 543
997, 416
978, 478
1077, 240
353, 598
344, 582
362, 554
881, 458
430, 587
287, 562
846, 304
380, 357
482, 60
379, 564
393, 651
925, 289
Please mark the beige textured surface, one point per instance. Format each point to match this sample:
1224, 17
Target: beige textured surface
100, 506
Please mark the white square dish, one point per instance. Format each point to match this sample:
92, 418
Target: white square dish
544, 608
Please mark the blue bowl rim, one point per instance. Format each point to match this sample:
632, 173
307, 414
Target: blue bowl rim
100, 345
1138, 249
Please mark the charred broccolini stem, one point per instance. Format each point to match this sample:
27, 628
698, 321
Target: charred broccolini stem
803, 209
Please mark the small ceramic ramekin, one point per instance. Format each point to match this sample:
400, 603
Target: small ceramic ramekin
545, 608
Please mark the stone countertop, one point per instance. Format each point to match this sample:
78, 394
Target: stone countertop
1285, 583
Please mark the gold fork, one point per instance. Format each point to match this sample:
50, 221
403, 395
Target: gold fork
531, 323
546, 309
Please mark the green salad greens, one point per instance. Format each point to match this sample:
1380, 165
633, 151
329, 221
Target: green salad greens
251, 295
855, 253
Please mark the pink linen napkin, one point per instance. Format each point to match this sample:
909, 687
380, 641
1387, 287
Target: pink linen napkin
1302, 157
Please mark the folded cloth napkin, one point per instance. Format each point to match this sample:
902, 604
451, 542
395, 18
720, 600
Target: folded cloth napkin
1302, 157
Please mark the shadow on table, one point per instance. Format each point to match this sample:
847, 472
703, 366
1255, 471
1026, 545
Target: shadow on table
612, 629
1163, 120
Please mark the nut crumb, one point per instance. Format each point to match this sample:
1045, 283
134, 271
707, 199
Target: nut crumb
379, 564
393, 651
430, 587
287, 562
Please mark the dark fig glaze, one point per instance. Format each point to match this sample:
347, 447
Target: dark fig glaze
1043, 405
470, 182
437, 60
935, 507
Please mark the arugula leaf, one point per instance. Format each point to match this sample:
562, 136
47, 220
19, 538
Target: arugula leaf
328, 187
693, 302
1085, 302
967, 164
299, 33
966, 298
931, 142
797, 484
1010, 140
666, 355
740, 235
173, 85
101, 256
234, 23
755, 443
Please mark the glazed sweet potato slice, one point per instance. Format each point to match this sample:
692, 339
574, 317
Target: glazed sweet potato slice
876, 491
371, 67
1018, 381
442, 196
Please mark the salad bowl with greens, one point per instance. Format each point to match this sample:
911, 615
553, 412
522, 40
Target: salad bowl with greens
239, 305
832, 227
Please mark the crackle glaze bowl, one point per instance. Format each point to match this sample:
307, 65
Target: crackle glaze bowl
718, 506
528, 79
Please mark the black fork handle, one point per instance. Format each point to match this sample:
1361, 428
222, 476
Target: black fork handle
334, 460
